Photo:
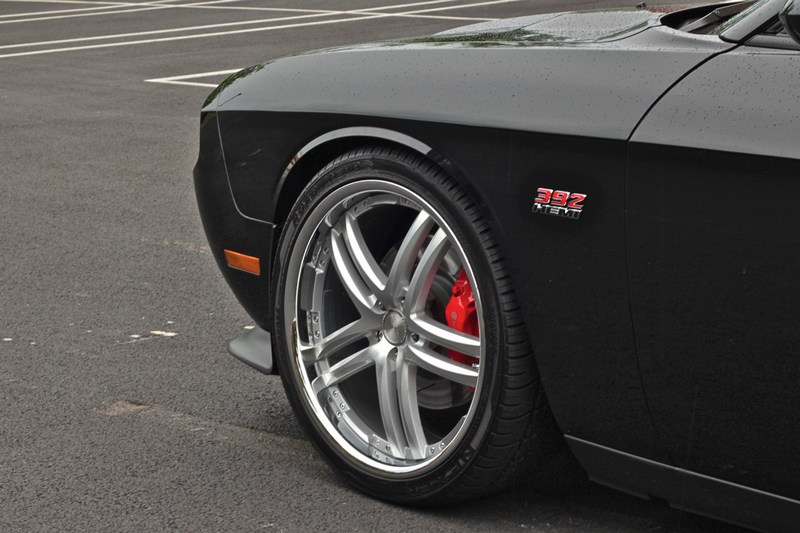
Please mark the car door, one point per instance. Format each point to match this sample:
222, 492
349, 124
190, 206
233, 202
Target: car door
714, 263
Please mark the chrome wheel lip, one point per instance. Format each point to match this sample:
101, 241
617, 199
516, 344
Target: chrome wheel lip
370, 449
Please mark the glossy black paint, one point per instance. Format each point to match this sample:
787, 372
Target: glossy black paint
662, 319
713, 246
226, 227
790, 17
517, 88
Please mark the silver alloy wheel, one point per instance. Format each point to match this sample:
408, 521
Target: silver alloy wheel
363, 309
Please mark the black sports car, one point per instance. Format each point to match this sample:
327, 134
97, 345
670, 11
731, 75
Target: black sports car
460, 247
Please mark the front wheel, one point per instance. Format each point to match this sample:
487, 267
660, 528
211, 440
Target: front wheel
399, 340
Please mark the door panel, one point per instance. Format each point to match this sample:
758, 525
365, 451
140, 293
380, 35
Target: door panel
714, 257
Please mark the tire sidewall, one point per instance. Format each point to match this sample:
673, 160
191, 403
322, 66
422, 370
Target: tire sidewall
459, 213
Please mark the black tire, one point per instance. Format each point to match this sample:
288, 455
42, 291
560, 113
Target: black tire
499, 416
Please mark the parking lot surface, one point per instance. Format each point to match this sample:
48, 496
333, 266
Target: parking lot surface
121, 409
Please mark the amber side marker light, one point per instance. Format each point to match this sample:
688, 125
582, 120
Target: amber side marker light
248, 263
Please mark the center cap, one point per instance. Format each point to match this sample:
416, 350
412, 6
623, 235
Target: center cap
394, 327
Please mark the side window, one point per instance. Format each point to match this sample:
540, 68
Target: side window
774, 36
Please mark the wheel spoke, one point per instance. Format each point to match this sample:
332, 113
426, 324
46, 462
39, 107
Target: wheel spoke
340, 338
362, 297
423, 276
400, 273
368, 277
346, 368
441, 335
443, 366
390, 412
409, 408
363, 259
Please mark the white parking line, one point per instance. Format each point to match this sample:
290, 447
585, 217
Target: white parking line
187, 37
396, 6
150, 7
449, 8
161, 32
117, 10
159, 4
181, 80
59, 11
71, 2
365, 14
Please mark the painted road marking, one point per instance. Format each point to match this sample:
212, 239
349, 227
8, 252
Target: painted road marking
181, 80
396, 6
187, 37
73, 10
160, 32
119, 11
161, 4
116, 8
365, 14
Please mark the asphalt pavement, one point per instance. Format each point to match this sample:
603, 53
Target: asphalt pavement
121, 409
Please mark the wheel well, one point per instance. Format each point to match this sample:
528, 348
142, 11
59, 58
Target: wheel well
307, 167
312, 162
303, 171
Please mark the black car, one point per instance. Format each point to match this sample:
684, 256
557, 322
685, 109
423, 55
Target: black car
461, 247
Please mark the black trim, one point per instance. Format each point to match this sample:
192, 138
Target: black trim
687, 490
779, 42
254, 348
763, 15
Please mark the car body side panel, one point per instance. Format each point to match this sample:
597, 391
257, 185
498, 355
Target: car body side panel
553, 116
713, 241
569, 274
597, 90
226, 228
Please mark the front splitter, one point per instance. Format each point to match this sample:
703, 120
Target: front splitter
253, 348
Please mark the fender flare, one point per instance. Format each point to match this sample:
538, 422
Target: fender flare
355, 132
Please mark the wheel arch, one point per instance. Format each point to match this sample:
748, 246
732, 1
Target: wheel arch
320, 151
459, 208
317, 153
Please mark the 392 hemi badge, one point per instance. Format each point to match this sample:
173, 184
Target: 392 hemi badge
558, 203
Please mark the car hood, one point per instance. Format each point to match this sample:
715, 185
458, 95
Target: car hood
550, 29
553, 28
585, 73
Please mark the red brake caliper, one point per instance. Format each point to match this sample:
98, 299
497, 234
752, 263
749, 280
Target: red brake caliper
462, 316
